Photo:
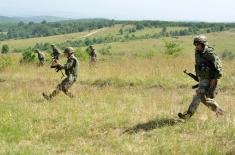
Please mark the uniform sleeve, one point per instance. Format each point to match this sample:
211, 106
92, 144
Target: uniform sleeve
217, 65
196, 65
58, 51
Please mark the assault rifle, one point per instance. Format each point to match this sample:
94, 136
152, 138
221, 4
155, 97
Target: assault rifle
57, 69
194, 77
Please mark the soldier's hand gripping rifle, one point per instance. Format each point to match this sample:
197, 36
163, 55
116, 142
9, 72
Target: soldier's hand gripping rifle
192, 76
58, 68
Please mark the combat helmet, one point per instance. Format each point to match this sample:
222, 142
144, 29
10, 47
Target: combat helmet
68, 50
200, 39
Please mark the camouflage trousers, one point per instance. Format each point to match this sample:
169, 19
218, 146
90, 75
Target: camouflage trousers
64, 87
92, 62
201, 96
41, 62
93, 59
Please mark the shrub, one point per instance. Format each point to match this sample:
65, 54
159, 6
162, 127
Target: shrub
81, 54
42, 46
172, 48
228, 55
105, 50
5, 49
28, 56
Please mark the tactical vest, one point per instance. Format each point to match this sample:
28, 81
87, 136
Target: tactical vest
74, 69
208, 65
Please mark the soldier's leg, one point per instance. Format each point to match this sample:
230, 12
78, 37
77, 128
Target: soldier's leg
65, 87
42, 62
212, 104
194, 104
192, 107
200, 92
69, 94
55, 92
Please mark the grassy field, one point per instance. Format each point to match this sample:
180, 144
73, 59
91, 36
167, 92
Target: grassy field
104, 32
126, 104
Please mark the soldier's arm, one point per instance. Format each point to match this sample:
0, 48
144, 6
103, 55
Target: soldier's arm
215, 61
196, 67
58, 51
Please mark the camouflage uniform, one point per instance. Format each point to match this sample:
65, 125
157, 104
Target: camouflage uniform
208, 66
71, 71
41, 57
56, 53
92, 53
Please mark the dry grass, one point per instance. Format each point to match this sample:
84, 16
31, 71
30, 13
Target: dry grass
124, 105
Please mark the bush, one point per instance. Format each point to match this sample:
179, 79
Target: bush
228, 55
42, 46
105, 50
5, 61
81, 54
5, 49
28, 56
17, 50
172, 48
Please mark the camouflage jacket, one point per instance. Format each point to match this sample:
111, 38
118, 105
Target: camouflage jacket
41, 56
92, 53
208, 64
56, 53
71, 67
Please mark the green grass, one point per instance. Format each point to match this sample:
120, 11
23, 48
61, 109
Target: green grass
104, 32
24, 43
156, 30
126, 104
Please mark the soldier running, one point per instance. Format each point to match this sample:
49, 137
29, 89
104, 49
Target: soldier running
208, 70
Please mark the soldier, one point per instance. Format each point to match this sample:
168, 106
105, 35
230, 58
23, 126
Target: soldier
208, 69
41, 57
55, 54
92, 53
71, 71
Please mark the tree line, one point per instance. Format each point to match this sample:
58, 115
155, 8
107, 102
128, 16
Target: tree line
23, 30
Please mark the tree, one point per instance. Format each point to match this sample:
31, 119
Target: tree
139, 26
21, 23
31, 23
121, 31
87, 42
164, 29
5, 49
44, 22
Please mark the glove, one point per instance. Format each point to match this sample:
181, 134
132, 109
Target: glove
59, 67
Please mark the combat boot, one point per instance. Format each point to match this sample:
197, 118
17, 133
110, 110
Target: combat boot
219, 112
46, 96
184, 115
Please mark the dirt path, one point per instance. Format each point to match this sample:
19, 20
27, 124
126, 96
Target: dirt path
90, 34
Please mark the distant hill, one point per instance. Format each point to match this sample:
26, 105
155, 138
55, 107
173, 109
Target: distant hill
36, 19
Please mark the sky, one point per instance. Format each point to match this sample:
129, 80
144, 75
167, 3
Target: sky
167, 10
